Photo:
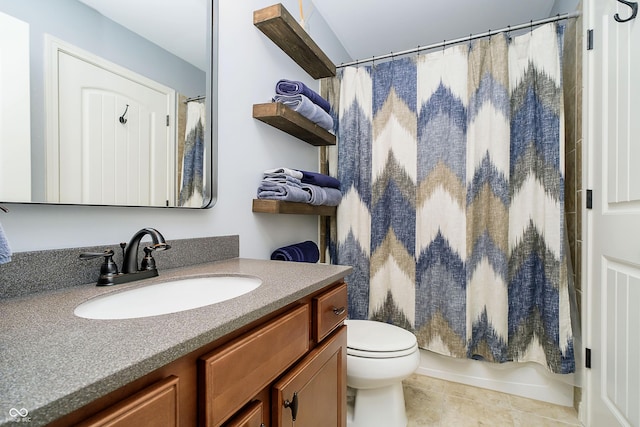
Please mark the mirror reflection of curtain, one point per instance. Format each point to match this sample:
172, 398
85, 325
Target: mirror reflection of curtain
192, 170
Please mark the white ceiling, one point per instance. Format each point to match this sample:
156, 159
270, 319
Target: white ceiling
372, 28
366, 28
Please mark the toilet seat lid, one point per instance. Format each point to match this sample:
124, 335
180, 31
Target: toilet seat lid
372, 336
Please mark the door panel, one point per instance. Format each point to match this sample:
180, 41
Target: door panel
15, 122
112, 129
318, 383
613, 225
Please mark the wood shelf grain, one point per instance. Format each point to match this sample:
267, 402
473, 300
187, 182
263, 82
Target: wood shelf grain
282, 207
278, 24
284, 118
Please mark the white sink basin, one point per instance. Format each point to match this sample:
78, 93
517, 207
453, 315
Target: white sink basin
167, 297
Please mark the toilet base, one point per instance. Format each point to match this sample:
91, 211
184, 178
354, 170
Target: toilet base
383, 407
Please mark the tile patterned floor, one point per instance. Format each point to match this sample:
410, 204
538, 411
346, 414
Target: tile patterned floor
434, 402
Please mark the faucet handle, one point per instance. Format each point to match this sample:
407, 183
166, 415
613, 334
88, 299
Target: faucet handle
148, 263
108, 267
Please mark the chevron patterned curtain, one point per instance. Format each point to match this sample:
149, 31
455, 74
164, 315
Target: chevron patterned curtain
452, 215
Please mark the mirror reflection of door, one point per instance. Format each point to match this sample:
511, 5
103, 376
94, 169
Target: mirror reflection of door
15, 135
114, 127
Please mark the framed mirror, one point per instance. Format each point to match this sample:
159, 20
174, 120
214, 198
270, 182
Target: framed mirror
108, 102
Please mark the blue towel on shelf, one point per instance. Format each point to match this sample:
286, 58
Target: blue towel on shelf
293, 87
5, 250
283, 171
322, 196
319, 179
303, 106
283, 179
299, 252
284, 192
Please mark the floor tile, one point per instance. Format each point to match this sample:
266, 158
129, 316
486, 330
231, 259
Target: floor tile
432, 402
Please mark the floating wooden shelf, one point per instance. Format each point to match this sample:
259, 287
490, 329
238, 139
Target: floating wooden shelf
280, 207
278, 24
284, 118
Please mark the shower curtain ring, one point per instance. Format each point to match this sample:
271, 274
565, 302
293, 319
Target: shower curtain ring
444, 43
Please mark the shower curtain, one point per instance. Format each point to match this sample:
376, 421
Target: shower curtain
452, 215
191, 190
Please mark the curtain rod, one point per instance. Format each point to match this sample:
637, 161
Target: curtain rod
195, 98
445, 43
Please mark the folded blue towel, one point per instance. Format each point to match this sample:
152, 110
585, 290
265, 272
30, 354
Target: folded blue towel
5, 250
292, 87
284, 192
322, 196
283, 179
302, 105
283, 171
299, 252
319, 179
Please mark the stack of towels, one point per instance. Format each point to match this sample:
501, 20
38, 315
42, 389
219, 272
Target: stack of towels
292, 185
297, 96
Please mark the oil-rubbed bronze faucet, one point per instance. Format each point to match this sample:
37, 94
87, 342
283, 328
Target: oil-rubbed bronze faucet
109, 274
130, 262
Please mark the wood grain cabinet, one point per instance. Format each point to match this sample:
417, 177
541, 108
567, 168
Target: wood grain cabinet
249, 378
297, 360
156, 405
313, 393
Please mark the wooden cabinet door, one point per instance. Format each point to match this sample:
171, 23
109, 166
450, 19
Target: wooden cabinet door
236, 372
313, 393
251, 416
155, 406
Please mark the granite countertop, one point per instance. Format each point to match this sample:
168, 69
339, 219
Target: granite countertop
53, 362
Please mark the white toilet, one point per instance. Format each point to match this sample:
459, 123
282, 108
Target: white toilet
379, 357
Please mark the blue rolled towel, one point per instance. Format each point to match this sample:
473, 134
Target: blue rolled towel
293, 87
5, 250
303, 106
319, 179
322, 196
284, 192
299, 252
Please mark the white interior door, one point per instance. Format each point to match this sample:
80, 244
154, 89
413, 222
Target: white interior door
114, 145
15, 112
613, 225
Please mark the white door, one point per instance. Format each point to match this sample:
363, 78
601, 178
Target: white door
15, 111
612, 252
115, 145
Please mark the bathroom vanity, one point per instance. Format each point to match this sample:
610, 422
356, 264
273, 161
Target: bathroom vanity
273, 355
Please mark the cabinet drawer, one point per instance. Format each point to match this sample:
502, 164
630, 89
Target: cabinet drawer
233, 374
251, 416
156, 405
330, 310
